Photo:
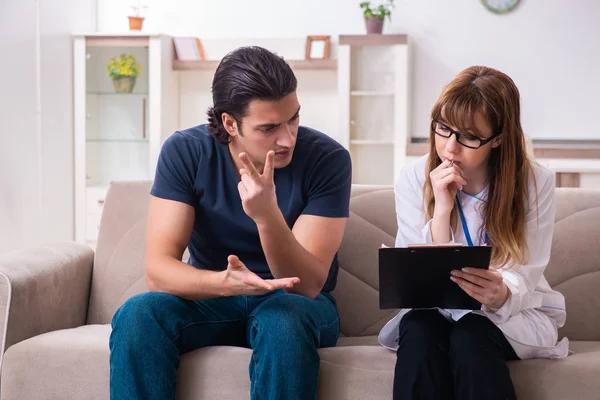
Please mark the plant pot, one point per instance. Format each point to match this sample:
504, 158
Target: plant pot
374, 25
135, 23
123, 84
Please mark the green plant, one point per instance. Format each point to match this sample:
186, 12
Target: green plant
377, 9
138, 8
123, 65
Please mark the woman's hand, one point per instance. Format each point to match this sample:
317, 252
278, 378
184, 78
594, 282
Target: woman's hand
445, 181
484, 285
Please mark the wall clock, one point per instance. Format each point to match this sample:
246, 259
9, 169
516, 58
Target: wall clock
500, 6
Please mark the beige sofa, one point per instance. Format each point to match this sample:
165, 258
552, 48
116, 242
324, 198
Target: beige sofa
56, 304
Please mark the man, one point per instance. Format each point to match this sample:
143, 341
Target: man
261, 203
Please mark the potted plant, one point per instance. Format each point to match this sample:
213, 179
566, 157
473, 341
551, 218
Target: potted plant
136, 21
123, 70
375, 13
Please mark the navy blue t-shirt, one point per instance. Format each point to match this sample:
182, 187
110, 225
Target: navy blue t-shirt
194, 168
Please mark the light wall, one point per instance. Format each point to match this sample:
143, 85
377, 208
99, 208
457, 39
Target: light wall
36, 119
549, 47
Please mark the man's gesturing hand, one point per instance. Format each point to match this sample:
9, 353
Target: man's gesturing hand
239, 280
257, 190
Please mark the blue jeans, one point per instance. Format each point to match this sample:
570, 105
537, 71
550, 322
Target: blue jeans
151, 330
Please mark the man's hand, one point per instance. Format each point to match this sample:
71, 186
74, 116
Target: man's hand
258, 190
239, 280
484, 285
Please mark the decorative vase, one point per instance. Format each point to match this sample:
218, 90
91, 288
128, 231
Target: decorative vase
135, 23
123, 84
374, 25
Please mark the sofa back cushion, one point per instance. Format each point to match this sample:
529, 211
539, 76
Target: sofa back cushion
120, 250
574, 267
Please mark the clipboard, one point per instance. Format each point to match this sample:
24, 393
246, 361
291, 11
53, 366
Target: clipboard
419, 277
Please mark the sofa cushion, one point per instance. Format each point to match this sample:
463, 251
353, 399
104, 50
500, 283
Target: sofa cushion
574, 270
120, 252
574, 267
74, 364
357, 291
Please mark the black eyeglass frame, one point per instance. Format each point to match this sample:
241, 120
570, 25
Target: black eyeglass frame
482, 142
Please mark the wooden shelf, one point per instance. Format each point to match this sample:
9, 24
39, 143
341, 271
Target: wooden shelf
370, 93
372, 40
541, 149
118, 40
211, 65
371, 142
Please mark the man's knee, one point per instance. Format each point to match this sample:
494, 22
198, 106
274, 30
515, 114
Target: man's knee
286, 313
286, 320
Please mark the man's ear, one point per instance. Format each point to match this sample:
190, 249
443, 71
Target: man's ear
230, 124
497, 141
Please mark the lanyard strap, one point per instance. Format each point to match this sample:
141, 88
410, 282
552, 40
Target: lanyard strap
464, 224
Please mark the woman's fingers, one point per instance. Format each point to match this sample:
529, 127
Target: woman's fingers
447, 180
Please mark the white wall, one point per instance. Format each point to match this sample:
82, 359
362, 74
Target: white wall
36, 119
549, 47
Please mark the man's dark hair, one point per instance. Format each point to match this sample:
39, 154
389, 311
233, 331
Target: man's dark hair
243, 75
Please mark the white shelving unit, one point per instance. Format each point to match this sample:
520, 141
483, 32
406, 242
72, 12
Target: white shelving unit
118, 136
373, 97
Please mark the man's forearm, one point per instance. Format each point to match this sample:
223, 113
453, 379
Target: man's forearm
287, 258
166, 274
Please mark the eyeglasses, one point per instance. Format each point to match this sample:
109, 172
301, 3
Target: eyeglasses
465, 139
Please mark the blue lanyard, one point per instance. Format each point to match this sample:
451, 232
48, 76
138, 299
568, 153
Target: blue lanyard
464, 224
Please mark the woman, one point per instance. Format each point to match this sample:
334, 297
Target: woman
478, 186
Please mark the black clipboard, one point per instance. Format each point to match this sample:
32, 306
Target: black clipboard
419, 277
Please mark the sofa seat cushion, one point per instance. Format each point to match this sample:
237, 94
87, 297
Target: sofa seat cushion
74, 364
370, 340
568, 378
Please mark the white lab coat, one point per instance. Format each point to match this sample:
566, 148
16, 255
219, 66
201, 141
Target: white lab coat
533, 313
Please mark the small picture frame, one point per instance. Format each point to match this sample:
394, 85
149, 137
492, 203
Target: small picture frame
318, 47
188, 48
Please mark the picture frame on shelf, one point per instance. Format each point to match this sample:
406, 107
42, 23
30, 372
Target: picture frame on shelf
188, 49
318, 47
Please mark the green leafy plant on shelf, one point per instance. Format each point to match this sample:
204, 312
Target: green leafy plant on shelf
123, 70
375, 13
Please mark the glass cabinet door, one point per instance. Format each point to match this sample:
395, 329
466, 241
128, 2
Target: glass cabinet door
117, 145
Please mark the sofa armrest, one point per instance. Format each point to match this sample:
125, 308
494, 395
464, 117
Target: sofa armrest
43, 289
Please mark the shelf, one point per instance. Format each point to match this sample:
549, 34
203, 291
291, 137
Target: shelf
116, 94
372, 40
129, 39
572, 149
372, 93
211, 65
116, 140
372, 142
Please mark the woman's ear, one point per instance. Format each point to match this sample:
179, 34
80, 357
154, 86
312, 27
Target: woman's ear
497, 141
230, 124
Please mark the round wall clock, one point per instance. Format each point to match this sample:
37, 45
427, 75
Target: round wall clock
500, 6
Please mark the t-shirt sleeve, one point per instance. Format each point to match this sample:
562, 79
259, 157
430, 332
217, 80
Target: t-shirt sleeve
176, 170
329, 186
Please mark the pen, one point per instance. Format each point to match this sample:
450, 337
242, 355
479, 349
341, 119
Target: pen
451, 164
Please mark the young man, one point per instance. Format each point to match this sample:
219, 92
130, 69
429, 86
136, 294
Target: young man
261, 203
